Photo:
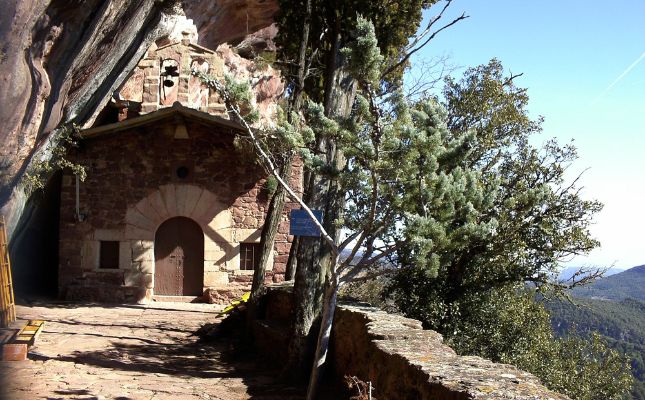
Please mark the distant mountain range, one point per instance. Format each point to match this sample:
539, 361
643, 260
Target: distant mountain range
568, 272
624, 285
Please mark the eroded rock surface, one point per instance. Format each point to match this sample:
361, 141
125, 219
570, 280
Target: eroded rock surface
64, 58
265, 81
229, 20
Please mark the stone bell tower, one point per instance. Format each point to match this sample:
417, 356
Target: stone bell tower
163, 77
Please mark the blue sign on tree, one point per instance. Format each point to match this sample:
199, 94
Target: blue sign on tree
301, 223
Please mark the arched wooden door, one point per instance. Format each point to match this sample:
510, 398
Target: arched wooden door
179, 258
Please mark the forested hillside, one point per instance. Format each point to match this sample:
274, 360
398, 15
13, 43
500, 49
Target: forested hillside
621, 322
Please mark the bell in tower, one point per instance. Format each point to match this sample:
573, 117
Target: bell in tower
169, 82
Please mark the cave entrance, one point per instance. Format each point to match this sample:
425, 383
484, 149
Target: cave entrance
34, 244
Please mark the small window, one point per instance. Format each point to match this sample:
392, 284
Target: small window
109, 255
182, 172
249, 256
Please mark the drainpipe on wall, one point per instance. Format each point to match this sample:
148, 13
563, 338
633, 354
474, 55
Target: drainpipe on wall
78, 205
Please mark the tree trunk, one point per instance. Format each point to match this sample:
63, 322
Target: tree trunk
267, 240
292, 262
344, 90
322, 347
302, 58
314, 256
277, 201
295, 104
309, 282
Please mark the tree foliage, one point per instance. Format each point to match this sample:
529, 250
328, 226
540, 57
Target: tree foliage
36, 176
406, 180
311, 36
542, 218
526, 219
471, 209
535, 218
507, 325
457, 196
394, 23
621, 323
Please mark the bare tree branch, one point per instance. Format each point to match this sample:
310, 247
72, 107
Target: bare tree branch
371, 275
428, 74
409, 54
356, 269
428, 28
234, 108
509, 80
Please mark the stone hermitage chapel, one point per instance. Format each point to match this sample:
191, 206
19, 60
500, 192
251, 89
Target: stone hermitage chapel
170, 206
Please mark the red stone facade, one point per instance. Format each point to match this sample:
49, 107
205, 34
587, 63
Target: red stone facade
171, 160
133, 185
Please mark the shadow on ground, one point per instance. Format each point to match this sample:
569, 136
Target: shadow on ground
208, 360
221, 359
34, 301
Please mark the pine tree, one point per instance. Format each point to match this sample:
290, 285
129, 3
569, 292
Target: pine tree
452, 194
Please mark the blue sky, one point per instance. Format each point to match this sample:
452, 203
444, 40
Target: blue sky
584, 67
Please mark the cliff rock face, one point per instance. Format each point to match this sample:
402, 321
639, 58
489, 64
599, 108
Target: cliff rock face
63, 60
265, 82
229, 20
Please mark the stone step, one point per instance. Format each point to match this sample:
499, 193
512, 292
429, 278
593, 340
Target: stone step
14, 352
178, 299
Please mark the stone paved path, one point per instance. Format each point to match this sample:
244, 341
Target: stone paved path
131, 352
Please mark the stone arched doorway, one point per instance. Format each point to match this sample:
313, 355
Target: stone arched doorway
179, 258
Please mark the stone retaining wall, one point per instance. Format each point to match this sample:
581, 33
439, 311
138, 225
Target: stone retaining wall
404, 361
401, 359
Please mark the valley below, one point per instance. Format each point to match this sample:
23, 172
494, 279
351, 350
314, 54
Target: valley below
614, 307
